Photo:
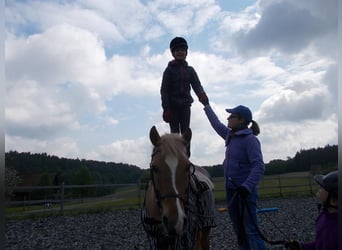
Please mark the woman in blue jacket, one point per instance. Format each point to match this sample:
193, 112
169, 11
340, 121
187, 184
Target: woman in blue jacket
243, 169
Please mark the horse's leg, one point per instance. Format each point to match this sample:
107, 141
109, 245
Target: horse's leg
162, 244
198, 240
202, 239
163, 241
166, 243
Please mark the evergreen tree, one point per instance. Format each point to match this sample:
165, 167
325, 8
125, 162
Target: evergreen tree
11, 180
83, 177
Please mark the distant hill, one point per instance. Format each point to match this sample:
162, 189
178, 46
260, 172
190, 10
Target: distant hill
32, 168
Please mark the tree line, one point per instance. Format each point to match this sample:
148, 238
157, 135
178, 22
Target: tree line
43, 169
315, 160
70, 171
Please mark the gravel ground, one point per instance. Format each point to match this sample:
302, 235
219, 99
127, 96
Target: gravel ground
122, 230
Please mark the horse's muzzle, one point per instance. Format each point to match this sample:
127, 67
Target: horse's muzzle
174, 226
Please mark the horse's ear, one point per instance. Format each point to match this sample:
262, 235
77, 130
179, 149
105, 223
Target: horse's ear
154, 136
187, 135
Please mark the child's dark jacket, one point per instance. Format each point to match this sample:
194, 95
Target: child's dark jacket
178, 78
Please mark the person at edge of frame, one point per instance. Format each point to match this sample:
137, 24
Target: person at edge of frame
327, 221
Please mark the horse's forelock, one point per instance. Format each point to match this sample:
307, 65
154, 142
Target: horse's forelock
174, 144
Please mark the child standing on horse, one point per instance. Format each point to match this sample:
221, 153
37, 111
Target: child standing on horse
178, 79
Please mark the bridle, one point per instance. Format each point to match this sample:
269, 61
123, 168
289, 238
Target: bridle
159, 195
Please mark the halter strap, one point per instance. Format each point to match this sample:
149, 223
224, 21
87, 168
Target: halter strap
161, 197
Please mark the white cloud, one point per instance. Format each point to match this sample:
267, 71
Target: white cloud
127, 151
281, 26
61, 54
62, 146
48, 14
129, 17
112, 120
294, 136
290, 105
84, 71
290, 27
183, 17
31, 111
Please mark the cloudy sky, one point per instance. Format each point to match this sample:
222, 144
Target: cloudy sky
83, 77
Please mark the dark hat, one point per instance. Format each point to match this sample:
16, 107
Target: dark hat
329, 181
242, 111
178, 42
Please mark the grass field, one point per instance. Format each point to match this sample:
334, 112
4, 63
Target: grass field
299, 184
131, 197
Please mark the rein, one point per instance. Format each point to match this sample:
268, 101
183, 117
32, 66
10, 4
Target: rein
263, 237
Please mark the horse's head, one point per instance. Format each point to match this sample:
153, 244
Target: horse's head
170, 173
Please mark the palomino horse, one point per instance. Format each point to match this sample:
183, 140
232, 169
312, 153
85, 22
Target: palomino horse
179, 206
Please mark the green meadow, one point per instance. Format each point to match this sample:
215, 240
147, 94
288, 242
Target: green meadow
132, 197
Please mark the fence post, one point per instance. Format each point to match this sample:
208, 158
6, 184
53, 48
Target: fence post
24, 202
62, 198
139, 194
310, 183
280, 189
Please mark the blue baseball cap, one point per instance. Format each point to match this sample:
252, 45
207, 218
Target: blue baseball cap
242, 111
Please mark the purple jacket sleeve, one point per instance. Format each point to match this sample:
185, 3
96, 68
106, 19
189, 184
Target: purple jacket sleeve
326, 232
221, 129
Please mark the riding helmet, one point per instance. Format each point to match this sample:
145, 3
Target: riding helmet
329, 182
178, 42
